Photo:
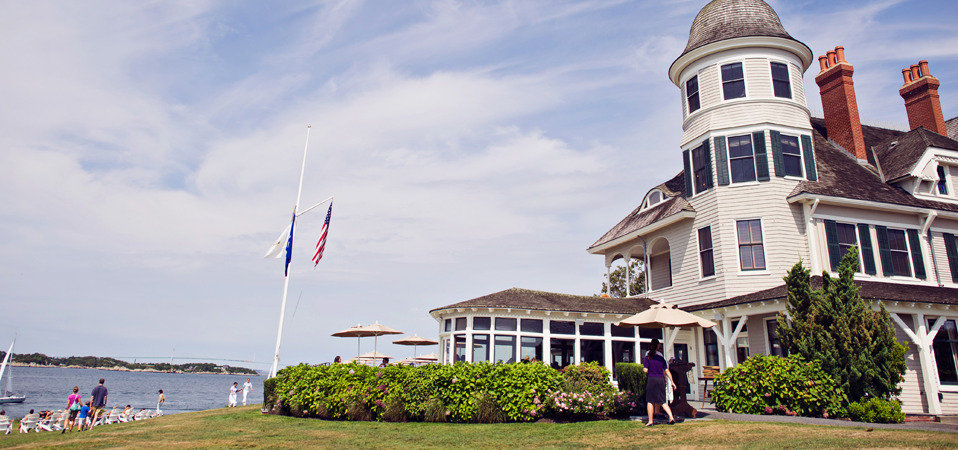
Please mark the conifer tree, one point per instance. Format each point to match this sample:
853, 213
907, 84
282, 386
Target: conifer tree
854, 342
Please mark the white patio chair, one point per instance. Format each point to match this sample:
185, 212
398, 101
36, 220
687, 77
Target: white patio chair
6, 426
29, 423
113, 417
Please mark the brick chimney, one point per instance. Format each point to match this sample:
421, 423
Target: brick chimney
839, 104
921, 99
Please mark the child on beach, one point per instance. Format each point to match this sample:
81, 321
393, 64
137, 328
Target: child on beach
81, 418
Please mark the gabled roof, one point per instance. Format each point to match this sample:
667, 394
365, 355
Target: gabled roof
951, 125
639, 219
870, 290
840, 175
526, 299
897, 157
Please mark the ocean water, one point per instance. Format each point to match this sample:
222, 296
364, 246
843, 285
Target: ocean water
48, 388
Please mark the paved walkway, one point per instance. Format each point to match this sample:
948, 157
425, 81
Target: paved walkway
711, 414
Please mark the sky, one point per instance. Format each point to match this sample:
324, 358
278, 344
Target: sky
150, 154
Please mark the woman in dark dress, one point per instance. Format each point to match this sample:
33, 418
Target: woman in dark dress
657, 370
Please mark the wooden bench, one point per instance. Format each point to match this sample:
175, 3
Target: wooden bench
708, 374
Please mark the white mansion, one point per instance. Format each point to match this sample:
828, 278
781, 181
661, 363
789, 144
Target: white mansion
764, 185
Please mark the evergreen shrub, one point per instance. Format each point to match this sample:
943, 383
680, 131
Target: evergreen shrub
876, 410
772, 384
631, 378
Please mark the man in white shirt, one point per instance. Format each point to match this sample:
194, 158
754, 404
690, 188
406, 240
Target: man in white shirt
247, 387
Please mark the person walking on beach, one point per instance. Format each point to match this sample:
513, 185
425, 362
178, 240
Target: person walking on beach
247, 387
232, 400
657, 370
74, 403
97, 402
159, 403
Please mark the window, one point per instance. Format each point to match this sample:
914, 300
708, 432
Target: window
680, 352
945, 348
791, 156
741, 158
774, 344
481, 323
942, 181
692, 93
700, 169
531, 326
592, 329
711, 348
899, 253
733, 81
780, 80
480, 347
592, 351
655, 198
448, 325
505, 324
618, 331
561, 327
841, 237
705, 252
460, 347
650, 333
530, 348
505, 349
460, 323
846, 238
561, 352
750, 248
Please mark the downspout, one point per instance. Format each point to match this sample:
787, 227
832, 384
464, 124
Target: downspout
926, 230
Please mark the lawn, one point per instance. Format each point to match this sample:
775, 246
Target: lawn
246, 427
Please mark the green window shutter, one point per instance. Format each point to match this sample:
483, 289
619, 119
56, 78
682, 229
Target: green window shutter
951, 248
777, 153
884, 251
868, 254
761, 158
834, 251
708, 165
809, 155
721, 160
917, 260
688, 174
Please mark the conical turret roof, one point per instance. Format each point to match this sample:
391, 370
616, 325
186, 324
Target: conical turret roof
726, 19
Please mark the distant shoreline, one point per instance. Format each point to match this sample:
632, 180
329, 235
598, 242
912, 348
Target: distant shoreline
123, 369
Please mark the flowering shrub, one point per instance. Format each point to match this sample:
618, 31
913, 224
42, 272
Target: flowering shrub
876, 410
514, 392
772, 384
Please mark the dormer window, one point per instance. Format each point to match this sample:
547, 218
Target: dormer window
780, 80
654, 198
733, 81
692, 94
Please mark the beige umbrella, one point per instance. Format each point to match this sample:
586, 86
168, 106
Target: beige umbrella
356, 332
665, 315
370, 356
375, 330
429, 357
415, 341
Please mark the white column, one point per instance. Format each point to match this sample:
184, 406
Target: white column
628, 277
923, 341
469, 347
608, 279
607, 347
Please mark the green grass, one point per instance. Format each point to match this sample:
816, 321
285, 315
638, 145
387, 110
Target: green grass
246, 427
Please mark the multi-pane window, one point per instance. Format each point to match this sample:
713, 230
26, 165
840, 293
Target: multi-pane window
706, 257
750, 248
846, 238
741, 158
733, 81
791, 156
780, 80
700, 169
692, 93
774, 343
898, 246
945, 348
942, 181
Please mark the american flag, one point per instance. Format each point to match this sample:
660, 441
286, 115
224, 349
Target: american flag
321, 245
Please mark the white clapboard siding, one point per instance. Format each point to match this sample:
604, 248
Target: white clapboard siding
798, 85
758, 78
911, 399
710, 86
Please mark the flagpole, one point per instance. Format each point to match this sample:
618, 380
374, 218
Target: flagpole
292, 231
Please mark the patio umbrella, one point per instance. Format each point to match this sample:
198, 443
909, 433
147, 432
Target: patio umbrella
665, 315
370, 356
375, 330
415, 341
356, 332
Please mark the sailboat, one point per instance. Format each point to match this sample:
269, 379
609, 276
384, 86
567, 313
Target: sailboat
8, 395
